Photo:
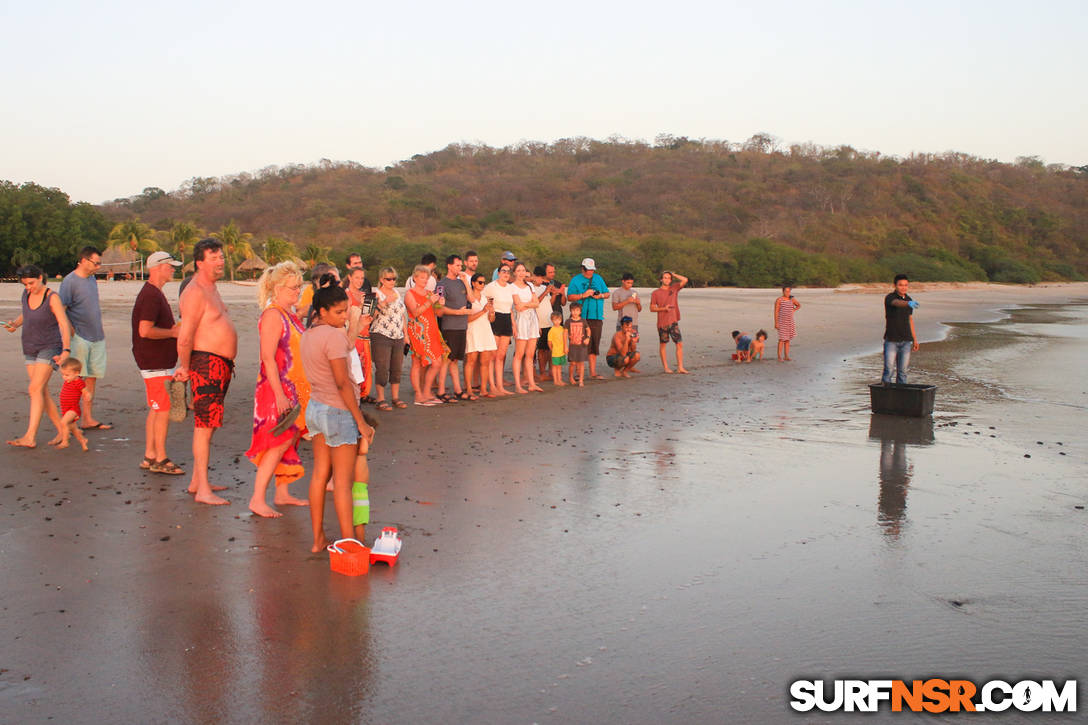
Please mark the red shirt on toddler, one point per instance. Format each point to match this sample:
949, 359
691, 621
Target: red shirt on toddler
70, 394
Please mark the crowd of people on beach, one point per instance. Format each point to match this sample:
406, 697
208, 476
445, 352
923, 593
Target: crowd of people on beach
330, 348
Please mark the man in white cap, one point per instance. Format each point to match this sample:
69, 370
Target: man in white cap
154, 345
589, 289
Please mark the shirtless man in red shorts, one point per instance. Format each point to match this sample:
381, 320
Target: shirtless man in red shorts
207, 344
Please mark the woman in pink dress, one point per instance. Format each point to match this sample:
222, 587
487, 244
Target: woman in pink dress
783, 321
281, 388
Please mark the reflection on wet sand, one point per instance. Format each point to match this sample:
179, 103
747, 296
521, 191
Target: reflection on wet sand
895, 434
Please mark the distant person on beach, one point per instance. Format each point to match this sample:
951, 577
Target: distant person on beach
46, 343
353, 262
79, 295
304, 307
453, 321
557, 347
578, 337
282, 392
625, 302
428, 349
526, 299
155, 350
623, 353
756, 350
544, 319
501, 295
590, 290
207, 346
341, 434
506, 261
744, 346
360, 296
664, 301
72, 394
387, 334
784, 307
899, 336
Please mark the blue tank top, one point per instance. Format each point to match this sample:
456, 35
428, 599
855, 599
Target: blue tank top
40, 328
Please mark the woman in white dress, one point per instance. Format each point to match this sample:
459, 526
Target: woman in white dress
480, 342
526, 330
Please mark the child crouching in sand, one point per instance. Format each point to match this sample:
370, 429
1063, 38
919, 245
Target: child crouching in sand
744, 344
341, 435
755, 352
72, 393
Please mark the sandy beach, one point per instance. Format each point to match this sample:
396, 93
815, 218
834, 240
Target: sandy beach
661, 549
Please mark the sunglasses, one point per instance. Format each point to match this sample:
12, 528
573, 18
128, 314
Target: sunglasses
389, 279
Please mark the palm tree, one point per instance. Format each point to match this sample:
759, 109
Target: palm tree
278, 249
313, 254
184, 235
138, 236
235, 243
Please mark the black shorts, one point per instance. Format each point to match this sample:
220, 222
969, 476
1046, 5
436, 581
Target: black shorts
542, 341
455, 341
595, 329
672, 331
501, 326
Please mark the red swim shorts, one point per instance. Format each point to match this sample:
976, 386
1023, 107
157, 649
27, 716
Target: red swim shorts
209, 378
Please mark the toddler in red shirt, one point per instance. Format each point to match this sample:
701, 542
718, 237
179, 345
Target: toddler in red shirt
72, 393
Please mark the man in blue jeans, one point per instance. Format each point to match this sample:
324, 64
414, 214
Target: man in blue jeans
899, 337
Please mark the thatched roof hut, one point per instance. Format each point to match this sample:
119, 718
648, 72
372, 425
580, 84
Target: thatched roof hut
251, 267
120, 260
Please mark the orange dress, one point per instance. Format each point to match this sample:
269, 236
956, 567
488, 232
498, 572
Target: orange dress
423, 334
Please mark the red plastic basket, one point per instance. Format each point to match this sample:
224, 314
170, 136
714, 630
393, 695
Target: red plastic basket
349, 557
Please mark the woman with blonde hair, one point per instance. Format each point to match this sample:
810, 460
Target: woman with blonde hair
387, 334
282, 392
428, 349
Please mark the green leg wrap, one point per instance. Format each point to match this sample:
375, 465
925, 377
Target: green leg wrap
360, 499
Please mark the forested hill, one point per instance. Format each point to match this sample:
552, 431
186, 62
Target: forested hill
750, 214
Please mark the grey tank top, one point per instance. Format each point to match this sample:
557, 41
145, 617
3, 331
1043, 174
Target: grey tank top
40, 328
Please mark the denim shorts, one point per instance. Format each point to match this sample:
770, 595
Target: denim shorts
336, 424
43, 356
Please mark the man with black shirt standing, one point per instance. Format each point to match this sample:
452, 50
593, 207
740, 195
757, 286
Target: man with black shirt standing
899, 336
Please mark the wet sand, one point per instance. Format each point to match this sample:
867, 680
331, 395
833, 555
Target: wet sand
668, 548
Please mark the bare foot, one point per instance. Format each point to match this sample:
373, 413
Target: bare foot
668, 371
560, 383
55, 440
211, 499
788, 359
537, 389
581, 383
682, 371
23, 443
263, 509
83, 443
288, 500
62, 444
192, 488
319, 546
634, 370
523, 391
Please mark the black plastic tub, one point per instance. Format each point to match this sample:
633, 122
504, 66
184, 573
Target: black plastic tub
902, 399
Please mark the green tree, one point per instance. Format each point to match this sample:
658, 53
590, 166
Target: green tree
184, 236
314, 253
135, 235
278, 249
235, 245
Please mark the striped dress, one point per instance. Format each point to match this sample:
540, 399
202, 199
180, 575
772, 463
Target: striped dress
786, 329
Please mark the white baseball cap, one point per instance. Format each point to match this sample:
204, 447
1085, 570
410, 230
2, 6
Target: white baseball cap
158, 258
589, 264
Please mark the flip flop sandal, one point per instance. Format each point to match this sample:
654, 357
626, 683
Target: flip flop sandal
384, 406
166, 466
286, 420
447, 398
97, 426
145, 464
398, 403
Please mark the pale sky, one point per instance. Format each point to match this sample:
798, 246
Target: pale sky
104, 99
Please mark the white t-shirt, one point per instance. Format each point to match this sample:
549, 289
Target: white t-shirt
503, 296
544, 312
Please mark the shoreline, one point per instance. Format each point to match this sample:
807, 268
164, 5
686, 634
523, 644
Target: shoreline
715, 534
